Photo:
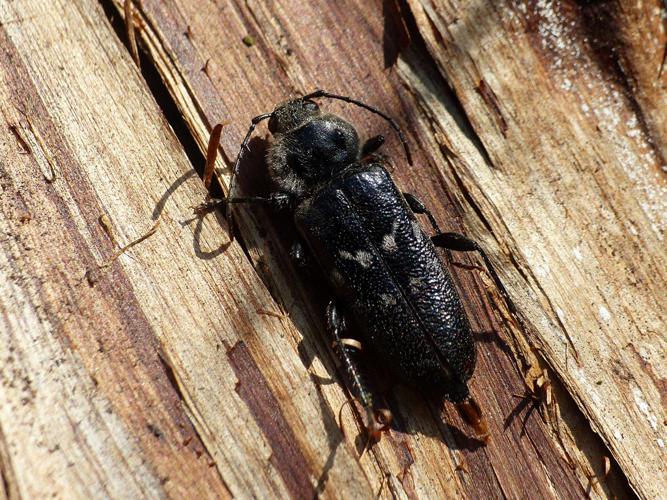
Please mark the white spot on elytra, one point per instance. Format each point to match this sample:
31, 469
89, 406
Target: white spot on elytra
618, 435
389, 243
416, 229
661, 443
605, 315
387, 300
576, 251
389, 239
361, 257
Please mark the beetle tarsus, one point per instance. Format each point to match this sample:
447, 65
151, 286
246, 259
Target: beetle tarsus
471, 413
208, 206
418, 207
377, 422
348, 351
461, 243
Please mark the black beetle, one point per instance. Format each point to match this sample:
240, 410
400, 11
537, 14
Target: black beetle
382, 268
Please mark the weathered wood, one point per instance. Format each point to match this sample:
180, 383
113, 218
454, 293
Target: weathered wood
200, 55
177, 371
124, 388
567, 180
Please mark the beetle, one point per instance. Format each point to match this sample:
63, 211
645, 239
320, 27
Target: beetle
382, 268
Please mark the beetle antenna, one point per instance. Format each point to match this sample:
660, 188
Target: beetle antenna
244, 147
392, 122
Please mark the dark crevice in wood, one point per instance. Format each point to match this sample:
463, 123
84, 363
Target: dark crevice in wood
170, 110
564, 399
167, 104
159, 90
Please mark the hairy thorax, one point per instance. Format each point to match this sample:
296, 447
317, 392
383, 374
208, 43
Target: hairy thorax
302, 158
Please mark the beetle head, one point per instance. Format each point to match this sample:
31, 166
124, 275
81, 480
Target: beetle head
308, 146
291, 114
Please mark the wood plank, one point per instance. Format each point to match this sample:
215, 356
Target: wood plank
213, 76
567, 178
127, 386
88, 408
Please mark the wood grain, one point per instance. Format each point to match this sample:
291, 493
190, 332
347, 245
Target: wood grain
199, 51
103, 386
568, 185
194, 366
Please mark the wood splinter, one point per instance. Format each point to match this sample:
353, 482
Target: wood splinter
130, 31
93, 274
212, 154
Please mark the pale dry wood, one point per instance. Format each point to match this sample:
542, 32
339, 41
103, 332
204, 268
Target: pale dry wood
176, 372
213, 76
125, 388
641, 40
565, 171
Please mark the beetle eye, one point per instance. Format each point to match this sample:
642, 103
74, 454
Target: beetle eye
273, 124
310, 105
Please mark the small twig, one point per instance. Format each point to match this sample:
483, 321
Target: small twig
129, 29
106, 227
93, 275
212, 154
14, 129
124, 249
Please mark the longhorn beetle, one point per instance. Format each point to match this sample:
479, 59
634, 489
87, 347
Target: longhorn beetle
382, 268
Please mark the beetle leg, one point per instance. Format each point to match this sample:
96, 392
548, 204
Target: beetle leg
418, 207
372, 145
461, 243
348, 351
277, 200
300, 255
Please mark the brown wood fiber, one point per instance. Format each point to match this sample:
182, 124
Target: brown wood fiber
192, 366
